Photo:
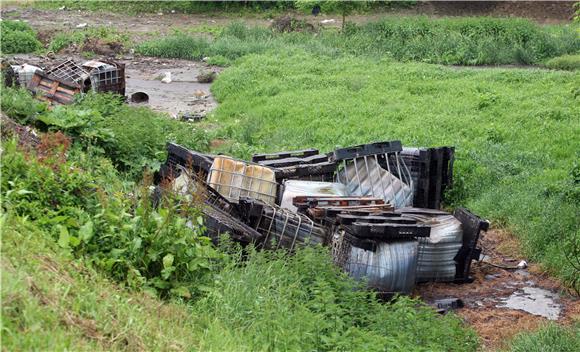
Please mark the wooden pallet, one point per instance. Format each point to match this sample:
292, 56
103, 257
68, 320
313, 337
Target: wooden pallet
50, 89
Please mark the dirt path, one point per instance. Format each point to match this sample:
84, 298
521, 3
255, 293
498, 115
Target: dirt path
501, 303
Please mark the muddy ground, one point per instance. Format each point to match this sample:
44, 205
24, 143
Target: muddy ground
501, 303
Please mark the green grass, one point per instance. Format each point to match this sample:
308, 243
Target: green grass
550, 338
459, 41
138, 7
515, 130
270, 302
51, 301
564, 62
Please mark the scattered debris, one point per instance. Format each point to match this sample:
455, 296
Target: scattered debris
358, 205
166, 77
81, 25
59, 83
23, 74
289, 24
330, 21
447, 304
192, 117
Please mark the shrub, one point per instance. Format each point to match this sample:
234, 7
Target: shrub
80, 201
101, 120
18, 38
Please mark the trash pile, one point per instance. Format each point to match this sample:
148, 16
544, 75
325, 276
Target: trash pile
60, 83
375, 205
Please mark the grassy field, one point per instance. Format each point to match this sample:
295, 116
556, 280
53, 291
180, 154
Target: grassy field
515, 131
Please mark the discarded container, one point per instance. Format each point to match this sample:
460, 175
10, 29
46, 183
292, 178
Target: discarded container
437, 253
472, 227
234, 179
307, 164
24, 73
294, 188
220, 216
432, 173
281, 228
107, 76
361, 170
390, 268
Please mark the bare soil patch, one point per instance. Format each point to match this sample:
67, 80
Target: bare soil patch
485, 299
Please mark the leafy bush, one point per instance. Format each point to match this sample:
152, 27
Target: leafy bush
465, 41
550, 337
18, 38
564, 62
86, 208
101, 120
303, 302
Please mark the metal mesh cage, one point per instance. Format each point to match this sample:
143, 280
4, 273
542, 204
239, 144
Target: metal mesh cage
282, 228
69, 71
108, 78
387, 267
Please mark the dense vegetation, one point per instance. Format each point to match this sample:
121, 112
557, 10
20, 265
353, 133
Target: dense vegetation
515, 130
462, 41
18, 37
101, 121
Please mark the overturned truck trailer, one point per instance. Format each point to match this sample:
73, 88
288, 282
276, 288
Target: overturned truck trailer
360, 201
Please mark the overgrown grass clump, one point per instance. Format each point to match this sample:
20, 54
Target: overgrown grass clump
18, 38
515, 131
63, 40
564, 62
550, 337
458, 41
